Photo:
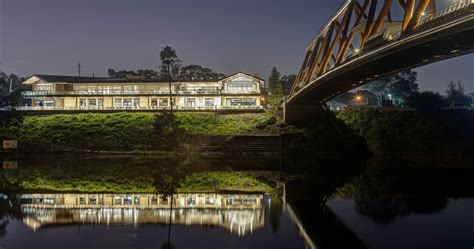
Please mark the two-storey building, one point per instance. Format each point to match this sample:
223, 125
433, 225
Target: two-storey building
53, 92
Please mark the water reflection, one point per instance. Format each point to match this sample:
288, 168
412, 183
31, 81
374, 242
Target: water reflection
238, 213
288, 203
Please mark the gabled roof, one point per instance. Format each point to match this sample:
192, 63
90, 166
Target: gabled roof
249, 75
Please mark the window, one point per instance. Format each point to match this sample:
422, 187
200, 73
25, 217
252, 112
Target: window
210, 200
127, 102
44, 103
118, 201
93, 200
82, 200
118, 102
241, 102
136, 102
209, 102
154, 200
154, 102
44, 87
93, 102
100, 102
242, 86
191, 200
136, 200
190, 102
163, 102
127, 200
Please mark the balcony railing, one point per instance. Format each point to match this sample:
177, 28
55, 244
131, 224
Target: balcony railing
96, 108
135, 92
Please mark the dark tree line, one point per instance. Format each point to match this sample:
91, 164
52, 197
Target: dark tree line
10, 90
170, 68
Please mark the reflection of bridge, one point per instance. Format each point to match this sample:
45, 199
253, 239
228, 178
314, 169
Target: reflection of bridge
363, 41
238, 213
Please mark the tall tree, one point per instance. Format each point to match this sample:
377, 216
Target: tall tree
455, 95
275, 87
287, 82
170, 65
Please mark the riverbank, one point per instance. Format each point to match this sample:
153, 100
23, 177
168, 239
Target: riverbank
184, 133
447, 132
123, 131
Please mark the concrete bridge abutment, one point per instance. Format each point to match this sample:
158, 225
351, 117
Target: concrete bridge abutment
303, 113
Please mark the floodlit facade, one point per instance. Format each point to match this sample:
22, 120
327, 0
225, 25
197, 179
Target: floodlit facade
52, 92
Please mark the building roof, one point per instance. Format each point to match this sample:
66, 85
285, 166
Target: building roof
253, 76
80, 79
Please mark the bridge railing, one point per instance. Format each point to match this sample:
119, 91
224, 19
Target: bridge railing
452, 11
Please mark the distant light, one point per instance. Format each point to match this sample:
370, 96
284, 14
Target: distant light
356, 50
423, 14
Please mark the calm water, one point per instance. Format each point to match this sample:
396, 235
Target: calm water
103, 202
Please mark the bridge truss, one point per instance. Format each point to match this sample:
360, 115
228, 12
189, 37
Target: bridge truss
359, 26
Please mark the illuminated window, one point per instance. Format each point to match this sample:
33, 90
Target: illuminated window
92, 102
118, 102
136, 102
190, 102
154, 102
127, 102
209, 102
241, 102
163, 102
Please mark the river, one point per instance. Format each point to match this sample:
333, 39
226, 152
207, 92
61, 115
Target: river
235, 202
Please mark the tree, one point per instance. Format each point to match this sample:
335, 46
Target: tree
287, 82
170, 65
403, 84
191, 72
275, 87
111, 73
166, 131
428, 102
456, 97
10, 90
399, 85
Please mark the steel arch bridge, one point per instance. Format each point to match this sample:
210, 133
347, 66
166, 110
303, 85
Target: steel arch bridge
368, 39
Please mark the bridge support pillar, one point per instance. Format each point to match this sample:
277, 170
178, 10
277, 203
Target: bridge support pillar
301, 114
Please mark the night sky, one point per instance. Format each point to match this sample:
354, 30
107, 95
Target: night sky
50, 36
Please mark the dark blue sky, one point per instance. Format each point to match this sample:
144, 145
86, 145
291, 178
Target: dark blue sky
50, 36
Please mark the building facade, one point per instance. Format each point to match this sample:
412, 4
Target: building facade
52, 92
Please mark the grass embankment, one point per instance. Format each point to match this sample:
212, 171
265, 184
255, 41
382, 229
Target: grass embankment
121, 131
408, 132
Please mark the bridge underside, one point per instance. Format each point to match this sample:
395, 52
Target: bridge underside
451, 42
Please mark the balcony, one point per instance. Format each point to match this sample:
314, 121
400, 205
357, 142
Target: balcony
97, 92
133, 108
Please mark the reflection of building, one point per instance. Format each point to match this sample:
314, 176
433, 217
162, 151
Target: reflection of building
50, 92
239, 213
